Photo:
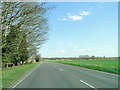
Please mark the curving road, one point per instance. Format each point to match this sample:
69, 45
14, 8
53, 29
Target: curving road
54, 75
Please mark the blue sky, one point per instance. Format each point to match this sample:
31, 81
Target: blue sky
82, 28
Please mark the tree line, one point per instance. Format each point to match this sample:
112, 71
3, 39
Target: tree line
24, 30
82, 58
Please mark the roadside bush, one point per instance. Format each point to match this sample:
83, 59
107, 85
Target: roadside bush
37, 58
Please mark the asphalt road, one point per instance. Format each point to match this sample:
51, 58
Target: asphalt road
54, 75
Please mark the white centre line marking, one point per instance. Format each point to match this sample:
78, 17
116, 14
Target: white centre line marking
61, 69
87, 84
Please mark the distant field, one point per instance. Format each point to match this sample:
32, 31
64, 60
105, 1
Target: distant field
110, 66
13, 74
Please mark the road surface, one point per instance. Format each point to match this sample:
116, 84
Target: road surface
54, 75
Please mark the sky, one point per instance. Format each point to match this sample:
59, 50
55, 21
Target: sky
82, 28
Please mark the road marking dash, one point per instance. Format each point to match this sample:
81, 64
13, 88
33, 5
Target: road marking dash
87, 84
61, 69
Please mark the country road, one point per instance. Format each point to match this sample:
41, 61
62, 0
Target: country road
54, 75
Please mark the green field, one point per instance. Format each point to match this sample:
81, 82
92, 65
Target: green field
110, 66
13, 74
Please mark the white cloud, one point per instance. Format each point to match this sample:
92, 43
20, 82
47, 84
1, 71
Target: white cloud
61, 43
63, 19
74, 17
78, 16
84, 50
62, 51
84, 13
88, 49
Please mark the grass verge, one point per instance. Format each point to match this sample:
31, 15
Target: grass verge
13, 74
110, 66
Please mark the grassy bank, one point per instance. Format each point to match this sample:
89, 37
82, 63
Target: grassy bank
11, 75
110, 66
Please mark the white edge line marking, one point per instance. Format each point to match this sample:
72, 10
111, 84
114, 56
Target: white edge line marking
61, 69
87, 84
100, 71
25, 77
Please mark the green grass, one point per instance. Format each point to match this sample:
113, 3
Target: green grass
110, 66
11, 75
